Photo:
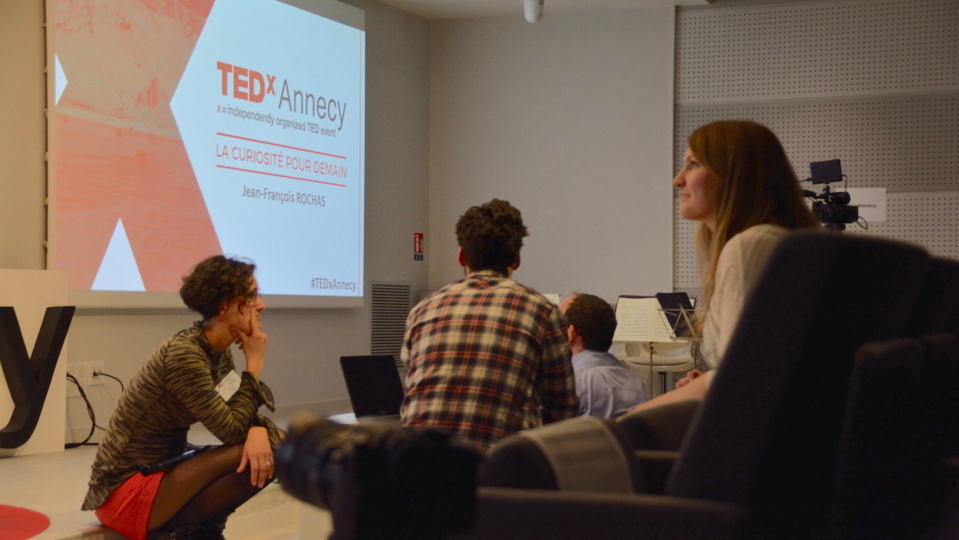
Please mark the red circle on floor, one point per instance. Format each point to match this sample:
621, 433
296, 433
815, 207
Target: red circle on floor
21, 523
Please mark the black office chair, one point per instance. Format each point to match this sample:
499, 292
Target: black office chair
902, 420
938, 425
758, 457
937, 308
582, 454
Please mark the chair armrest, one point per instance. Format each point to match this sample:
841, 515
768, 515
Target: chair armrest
505, 514
946, 523
660, 428
655, 466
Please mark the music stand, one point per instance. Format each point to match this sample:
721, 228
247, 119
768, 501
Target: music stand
660, 324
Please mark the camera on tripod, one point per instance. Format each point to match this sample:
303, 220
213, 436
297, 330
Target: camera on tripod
380, 481
832, 209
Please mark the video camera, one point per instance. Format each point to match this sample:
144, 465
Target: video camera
380, 481
832, 209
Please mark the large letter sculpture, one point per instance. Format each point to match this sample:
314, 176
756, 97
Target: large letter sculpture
28, 377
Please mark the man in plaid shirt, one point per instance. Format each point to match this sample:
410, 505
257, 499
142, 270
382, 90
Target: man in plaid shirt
487, 356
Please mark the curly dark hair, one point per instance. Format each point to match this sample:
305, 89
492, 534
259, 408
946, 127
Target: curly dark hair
594, 319
491, 236
216, 281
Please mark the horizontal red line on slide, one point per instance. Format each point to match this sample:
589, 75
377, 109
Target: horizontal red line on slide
280, 176
279, 145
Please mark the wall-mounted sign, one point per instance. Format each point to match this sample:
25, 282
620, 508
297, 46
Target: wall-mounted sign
871, 203
418, 246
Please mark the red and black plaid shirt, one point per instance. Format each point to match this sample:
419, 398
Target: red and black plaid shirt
486, 357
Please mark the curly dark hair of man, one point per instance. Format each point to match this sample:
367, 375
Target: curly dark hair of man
216, 281
594, 319
491, 236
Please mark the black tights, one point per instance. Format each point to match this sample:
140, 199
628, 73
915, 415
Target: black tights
203, 487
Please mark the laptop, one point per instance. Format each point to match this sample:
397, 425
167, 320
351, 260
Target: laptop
374, 385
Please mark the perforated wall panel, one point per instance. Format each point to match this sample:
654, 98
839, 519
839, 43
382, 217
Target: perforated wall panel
685, 267
817, 49
874, 83
756, 2
928, 219
902, 144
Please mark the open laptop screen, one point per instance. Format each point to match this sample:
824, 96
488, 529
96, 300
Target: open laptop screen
373, 383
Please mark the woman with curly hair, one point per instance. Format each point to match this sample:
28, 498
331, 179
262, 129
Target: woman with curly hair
191, 378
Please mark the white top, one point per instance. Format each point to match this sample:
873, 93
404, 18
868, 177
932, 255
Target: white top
740, 264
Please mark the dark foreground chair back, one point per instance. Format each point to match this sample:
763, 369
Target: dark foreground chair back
937, 308
902, 420
580, 454
768, 432
759, 455
938, 425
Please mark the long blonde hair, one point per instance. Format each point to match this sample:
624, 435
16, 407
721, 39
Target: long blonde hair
755, 184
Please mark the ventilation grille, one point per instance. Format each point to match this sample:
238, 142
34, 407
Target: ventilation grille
390, 305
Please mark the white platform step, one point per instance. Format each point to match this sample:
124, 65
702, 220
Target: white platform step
270, 515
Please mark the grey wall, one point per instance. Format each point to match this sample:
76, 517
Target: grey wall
570, 120
22, 135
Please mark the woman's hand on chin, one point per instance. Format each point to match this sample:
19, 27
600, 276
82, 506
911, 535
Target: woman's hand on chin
253, 345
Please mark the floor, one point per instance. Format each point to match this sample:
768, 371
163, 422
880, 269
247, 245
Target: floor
55, 484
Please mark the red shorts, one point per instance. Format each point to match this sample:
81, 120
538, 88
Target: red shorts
127, 511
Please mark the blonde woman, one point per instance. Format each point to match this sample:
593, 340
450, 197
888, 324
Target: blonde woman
736, 181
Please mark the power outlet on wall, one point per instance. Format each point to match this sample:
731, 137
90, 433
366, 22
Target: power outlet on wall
96, 368
80, 372
87, 374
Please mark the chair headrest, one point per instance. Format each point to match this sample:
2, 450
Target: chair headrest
579, 454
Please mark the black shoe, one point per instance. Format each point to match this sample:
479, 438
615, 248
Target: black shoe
183, 533
211, 529
208, 530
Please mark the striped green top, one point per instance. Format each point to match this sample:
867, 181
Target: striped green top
174, 389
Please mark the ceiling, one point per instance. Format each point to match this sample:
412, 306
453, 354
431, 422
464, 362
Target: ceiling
468, 9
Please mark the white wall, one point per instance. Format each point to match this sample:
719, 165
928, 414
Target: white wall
570, 120
22, 135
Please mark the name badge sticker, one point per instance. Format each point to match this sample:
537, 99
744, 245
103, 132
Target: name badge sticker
228, 386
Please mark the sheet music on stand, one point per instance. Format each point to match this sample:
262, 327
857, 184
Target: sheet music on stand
663, 318
657, 322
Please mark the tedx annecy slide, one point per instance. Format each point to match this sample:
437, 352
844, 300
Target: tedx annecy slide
187, 128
